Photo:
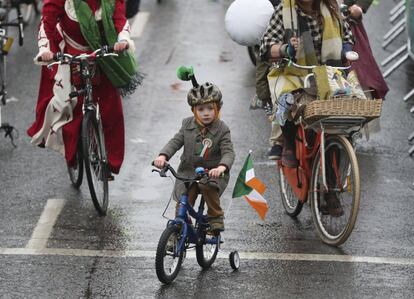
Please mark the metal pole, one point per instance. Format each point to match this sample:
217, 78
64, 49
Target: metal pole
394, 55
395, 66
397, 7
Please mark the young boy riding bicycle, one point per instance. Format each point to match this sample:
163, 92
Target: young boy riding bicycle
207, 143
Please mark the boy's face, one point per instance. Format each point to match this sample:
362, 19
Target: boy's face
206, 113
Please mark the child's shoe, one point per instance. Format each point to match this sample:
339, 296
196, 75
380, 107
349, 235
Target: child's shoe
216, 224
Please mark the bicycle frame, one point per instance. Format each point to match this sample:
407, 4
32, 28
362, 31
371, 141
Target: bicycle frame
298, 178
190, 232
88, 103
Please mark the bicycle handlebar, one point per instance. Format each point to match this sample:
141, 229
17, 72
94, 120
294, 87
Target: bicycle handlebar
311, 67
200, 171
65, 58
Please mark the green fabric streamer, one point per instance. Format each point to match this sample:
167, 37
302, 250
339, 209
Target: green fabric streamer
121, 70
322, 82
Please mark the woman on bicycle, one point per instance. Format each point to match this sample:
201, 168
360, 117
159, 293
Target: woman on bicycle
75, 27
207, 143
310, 32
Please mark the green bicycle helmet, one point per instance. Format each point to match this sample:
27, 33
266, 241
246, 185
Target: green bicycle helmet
203, 94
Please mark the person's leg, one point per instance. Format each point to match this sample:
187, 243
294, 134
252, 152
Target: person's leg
110, 105
262, 98
289, 154
331, 166
192, 196
276, 142
214, 212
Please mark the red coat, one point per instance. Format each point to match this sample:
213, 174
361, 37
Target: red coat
59, 30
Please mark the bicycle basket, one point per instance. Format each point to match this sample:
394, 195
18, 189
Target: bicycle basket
342, 107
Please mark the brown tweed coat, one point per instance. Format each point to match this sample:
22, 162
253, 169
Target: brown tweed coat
220, 153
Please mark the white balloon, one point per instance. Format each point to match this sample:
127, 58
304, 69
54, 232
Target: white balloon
246, 20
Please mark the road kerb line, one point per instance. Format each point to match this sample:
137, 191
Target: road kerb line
45, 224
222, 255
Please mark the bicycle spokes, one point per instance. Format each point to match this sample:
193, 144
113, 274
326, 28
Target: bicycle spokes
335, 208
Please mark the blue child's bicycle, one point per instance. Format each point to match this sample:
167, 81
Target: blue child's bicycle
181, 235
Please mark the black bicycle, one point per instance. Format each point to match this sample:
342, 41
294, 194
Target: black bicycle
91, 152
6, 43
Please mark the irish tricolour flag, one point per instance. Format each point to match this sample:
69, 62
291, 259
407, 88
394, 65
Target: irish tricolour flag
251, 188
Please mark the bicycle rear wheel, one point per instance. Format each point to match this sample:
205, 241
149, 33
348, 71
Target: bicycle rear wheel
96, 167
253, 53
344, 188
291, 203
206, 250
167, 260
76, 171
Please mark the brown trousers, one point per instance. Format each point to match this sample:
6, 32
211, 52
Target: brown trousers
211, 198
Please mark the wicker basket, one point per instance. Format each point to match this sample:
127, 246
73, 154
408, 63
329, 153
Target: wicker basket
342, 107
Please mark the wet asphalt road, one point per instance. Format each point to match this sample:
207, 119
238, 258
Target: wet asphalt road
192, 32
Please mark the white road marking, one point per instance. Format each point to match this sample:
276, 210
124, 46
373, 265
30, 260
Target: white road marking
138, 140
221, 255
12, 99
265, 163
139, 23
45, 224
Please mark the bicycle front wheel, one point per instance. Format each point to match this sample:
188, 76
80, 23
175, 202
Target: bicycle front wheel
253, 52
334, 211
96, 167
167, 259
206, 250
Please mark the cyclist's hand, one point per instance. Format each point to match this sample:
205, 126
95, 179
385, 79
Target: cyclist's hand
47, 56
217, 172
294, 41
160, 161
120, 46
355, 11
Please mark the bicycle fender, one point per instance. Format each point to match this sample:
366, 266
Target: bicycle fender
297, 179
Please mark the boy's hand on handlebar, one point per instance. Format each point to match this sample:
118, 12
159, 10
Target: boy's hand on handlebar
217, 172
120, 46
160, 161
47, 56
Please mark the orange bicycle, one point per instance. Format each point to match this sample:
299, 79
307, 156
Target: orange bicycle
327, 173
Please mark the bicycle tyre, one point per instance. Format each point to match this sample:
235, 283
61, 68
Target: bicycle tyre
291, 203
96, 170
253, 53
76, 173
202, 248
353, 176
173, 233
